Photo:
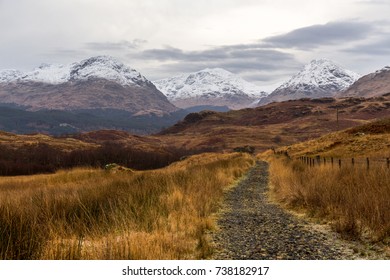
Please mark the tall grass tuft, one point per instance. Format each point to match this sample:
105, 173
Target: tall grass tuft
354, 199
96, 214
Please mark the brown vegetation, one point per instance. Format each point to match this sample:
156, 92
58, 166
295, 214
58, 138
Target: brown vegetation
355, 200
369, 140
45, 158
354, 197
275, 124
96, 214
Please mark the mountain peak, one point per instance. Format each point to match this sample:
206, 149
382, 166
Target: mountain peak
216, 71
320, 74
319, 78
210, 86
106, 67
96, 83
101, 67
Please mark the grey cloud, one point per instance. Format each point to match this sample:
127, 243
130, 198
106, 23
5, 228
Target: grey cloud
255, 52
167, 53
170, 53
251, 60
114, 45
377, 48
319, 35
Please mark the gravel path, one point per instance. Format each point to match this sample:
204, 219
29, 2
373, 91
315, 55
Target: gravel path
250, 227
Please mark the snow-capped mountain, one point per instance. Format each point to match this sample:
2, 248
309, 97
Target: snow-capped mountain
319, 78
100, 82
370, 85
103, 67
216, 87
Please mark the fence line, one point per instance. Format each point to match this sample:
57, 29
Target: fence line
317, 161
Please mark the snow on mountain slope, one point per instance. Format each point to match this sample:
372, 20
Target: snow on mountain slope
319, 78
9, 75
107, 68
100, 82
103, 67
215, 86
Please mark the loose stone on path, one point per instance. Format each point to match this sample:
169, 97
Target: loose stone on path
250, 227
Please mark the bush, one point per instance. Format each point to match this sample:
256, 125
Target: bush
245, 149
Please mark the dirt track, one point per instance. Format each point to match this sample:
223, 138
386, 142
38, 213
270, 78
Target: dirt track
250, 227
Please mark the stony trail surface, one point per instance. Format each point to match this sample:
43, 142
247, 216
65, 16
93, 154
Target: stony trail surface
252, 227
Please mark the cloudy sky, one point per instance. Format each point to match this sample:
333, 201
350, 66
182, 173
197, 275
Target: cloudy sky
264, 41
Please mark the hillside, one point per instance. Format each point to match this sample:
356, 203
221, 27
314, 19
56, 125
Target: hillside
373, 84
275, 124
60, 122
368, 140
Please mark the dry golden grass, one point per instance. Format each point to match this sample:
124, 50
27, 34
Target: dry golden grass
342, 144
355, 200
369, 140
95, 214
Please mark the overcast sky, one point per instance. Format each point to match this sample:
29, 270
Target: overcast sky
264, 41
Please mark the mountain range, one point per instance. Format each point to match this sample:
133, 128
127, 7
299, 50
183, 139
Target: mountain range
96, 93
214, 86
103, 93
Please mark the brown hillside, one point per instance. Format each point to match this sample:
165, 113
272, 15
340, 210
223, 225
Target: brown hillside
372, 139
65, 144
275, 124
373, 84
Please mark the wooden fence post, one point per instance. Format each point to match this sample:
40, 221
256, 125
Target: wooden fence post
318, 159
339, 163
